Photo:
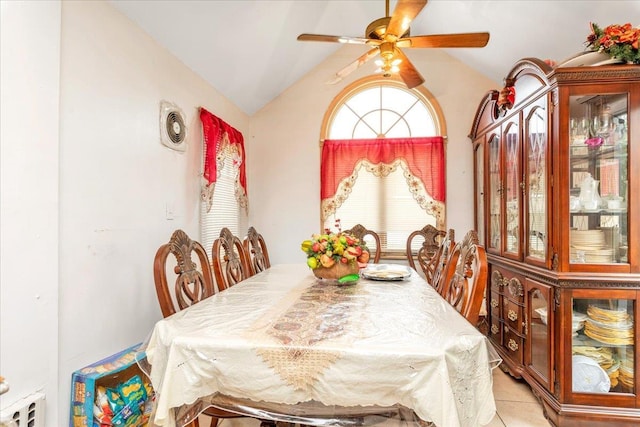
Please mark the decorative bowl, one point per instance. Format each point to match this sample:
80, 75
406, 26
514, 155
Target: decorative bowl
336, 271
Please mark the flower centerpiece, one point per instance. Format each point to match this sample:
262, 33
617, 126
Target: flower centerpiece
335, 255
618, 41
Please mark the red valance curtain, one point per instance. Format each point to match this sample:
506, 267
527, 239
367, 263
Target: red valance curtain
216, 133
424, 157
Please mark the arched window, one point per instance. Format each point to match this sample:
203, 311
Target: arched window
383, 161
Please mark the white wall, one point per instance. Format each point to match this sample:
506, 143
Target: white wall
285, 138
115, 179
30, 68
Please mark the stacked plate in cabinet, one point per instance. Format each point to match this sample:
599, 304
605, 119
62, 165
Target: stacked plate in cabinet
592, 244
608, 326
614, 329
577, 322
626, 369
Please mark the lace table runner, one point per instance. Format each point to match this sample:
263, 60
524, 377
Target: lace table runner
321, 312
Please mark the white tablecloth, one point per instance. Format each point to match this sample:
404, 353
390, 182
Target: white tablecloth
284, 337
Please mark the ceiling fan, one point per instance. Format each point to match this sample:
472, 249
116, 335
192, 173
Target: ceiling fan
387, 35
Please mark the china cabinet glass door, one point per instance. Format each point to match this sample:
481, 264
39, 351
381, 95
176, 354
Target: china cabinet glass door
598, 193
536, 182
479, 196
540, 312
603, 345
495, 196
513, 189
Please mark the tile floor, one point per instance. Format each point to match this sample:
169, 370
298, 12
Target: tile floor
516, 407
515, 403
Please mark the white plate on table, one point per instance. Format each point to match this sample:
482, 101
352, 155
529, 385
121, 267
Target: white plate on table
386, 272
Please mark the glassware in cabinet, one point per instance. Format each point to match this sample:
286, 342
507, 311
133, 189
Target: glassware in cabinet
598, 159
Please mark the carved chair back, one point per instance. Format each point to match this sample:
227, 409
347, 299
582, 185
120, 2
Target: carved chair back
466, 289
361, 233
230, 260
429, 251
256, 248
193, 280
443, 263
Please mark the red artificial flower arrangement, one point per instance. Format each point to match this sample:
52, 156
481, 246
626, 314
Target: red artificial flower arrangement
618, 41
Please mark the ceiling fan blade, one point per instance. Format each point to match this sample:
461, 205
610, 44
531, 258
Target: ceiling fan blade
354, 65
333, 39
446, 40
402, 16
408, 73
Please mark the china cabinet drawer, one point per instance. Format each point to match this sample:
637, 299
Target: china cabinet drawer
513, 315
513, 343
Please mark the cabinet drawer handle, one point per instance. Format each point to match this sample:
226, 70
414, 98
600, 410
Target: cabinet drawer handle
512, 315
513, 346
494, 329
494, 303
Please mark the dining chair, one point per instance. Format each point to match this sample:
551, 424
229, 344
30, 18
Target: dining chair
444, 263
230, 260
256, 249
428, 252
193, 282
466, 289
367, 236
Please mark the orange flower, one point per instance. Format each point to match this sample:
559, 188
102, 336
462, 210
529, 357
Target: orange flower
619, 41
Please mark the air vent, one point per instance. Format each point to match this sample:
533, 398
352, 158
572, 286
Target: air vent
173, 130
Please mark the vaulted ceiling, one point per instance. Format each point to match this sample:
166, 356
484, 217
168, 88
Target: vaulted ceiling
247, 49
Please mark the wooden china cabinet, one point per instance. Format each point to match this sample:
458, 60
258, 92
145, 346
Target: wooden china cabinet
557, 198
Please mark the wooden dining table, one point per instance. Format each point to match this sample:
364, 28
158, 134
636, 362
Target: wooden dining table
286, 346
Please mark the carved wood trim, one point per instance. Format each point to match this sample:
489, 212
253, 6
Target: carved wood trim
619, 72
515, 287
256, 248
193, 282
487, 105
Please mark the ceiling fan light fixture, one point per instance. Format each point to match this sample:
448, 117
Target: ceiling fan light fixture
386, 36
387, 67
